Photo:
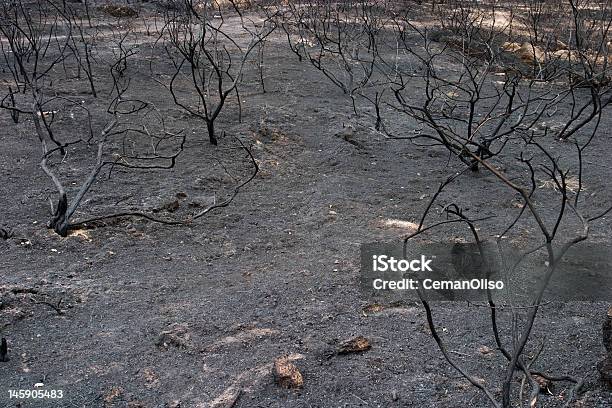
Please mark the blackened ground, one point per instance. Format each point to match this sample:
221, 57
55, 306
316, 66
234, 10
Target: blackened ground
155, 314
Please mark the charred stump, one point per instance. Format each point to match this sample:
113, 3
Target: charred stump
59, 222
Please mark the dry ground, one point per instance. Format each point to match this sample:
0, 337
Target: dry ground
156, 314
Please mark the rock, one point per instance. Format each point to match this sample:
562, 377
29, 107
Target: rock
526, 52
511, 46
372, 309
355, 345
174, 404
485, 350
607, 331
177, 336
286, 374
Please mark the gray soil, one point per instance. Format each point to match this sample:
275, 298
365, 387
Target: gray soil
155, 314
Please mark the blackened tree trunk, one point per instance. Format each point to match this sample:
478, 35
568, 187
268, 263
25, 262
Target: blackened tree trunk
210, 125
